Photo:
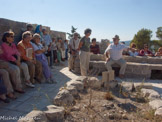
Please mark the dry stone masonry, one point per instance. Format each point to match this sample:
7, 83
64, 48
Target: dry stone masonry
19, 27
137, 67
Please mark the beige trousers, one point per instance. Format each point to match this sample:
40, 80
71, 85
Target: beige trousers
71, 61
6, 80
14, 71
84, 62
121, 62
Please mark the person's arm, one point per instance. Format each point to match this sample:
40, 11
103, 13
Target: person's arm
40, 51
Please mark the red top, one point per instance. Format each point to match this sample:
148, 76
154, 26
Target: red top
8, 52
95, 49
143, 53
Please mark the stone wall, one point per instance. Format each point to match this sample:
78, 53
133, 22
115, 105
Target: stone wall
138, 67
19, 27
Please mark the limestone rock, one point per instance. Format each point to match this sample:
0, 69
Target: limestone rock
72, 90
82, 79
155, 104
55, 113
150, 93
127, 86
63, 98
94, 83
143, 85
34, 116
158, 112
79, 85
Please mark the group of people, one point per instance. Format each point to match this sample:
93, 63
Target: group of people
28, 60
114, 52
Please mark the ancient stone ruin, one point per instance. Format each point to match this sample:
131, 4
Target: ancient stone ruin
19, 27
65, 101
137, 67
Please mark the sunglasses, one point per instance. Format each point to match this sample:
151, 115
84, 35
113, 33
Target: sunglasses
12, 36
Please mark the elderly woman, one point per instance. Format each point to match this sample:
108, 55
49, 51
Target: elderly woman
84, 47
12, 56
39, 53
4, 73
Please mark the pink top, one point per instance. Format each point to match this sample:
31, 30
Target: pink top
9, 52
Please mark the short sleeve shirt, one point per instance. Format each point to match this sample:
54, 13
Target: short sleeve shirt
115, 51
86, 44
74, 44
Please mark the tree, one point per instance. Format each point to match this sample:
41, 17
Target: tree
159, 33
73, 30
142, 37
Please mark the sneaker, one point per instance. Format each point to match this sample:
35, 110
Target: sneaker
30, 85
53, 81
48, 80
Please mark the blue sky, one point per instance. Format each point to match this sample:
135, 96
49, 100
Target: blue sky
105, 17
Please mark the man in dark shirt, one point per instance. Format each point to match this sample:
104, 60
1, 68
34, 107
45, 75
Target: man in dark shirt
94, 48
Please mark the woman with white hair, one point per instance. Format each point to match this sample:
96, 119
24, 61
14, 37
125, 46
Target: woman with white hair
40, 56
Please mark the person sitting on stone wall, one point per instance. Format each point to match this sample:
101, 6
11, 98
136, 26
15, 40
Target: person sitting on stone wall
40, 56
146, 51
6, 73
94, 48
73, 46
114, 56
27, 55
133, 50
159, 52
84, 54
47, 40
12, 56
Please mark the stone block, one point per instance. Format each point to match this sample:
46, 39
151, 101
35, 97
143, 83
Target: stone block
63, 98
79, 85
94, 83
155, 104
158, 112
34, 116
55, 113
150, 93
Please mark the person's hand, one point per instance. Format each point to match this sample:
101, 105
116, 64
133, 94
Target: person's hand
73, 52
17, 63
44, 50
107, 59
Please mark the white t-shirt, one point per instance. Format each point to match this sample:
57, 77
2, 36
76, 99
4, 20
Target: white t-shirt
133, 53
115, 51
74, 43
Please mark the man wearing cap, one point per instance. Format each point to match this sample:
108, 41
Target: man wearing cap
73, 46
114, 55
